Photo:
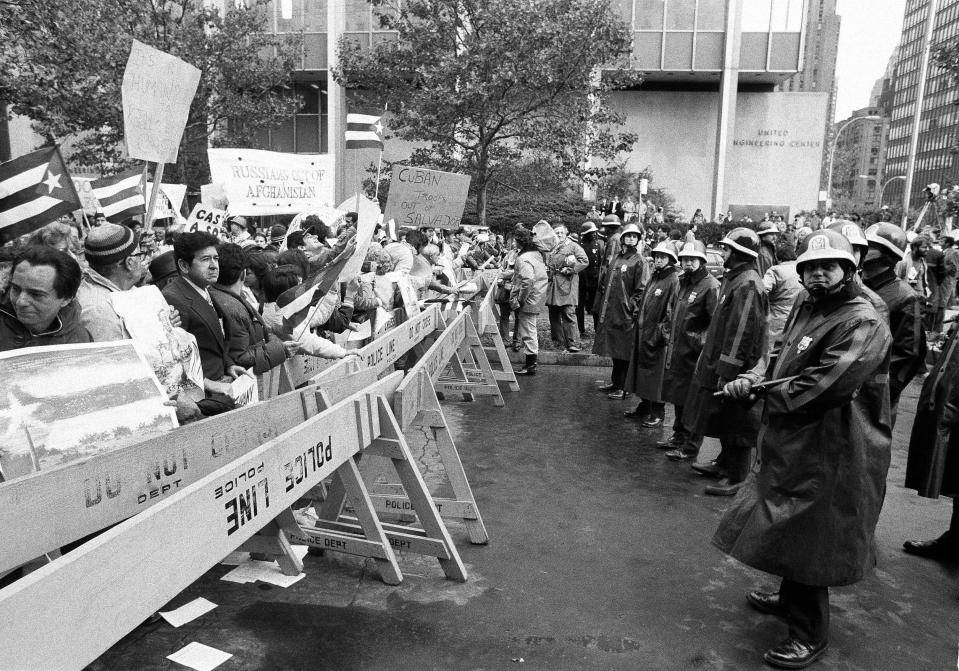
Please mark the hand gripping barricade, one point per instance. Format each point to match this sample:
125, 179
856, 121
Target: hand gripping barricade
103, 589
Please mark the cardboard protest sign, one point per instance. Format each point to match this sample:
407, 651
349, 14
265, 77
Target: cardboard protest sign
259, 182
65, 402
368, 213
206, 219
426, 198
157, 91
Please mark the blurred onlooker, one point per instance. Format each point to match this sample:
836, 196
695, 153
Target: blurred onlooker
163, 270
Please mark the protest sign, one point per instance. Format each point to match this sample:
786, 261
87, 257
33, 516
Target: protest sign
207, 219
368, 213
171, 351
213, 195
426, 198
87, 197
157, 91
64, 402
259, 182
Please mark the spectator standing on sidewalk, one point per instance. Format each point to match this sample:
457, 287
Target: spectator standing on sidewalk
564, 263
527, 296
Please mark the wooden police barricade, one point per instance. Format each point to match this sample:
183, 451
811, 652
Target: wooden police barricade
102, 590
469, 372
417, 406
486, 321
46, 510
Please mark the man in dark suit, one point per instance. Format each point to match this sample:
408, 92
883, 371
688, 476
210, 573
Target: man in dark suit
198, 264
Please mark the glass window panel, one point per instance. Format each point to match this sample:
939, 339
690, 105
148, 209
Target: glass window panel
709, 51
261, 136
679, 51
314, 15
756, 15
357, 15
296, 19
649, 14
780, 9
363, 39
387, 9
794, 16
624, 9
314, 47
282, 137
647, 51
309, 94
307, 133
680, 14
712, 15
380, 38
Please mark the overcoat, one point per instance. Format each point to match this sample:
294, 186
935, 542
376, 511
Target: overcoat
908, 351
622, 294
735, 342
647, 362
694, 306
563, 289
808, 512
933, 465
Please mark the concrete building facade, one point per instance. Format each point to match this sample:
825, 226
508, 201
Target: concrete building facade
860, 157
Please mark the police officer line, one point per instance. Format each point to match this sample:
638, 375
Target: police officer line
183, 501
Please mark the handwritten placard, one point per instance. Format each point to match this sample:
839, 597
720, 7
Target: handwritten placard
423, 198
206, 219
157, 91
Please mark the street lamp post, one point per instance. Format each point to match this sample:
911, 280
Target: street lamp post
882, 189
832, 152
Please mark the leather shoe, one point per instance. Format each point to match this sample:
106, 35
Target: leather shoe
639, 412
652, 422
941, 548
766, 602
723, 488
794, 654
572, 349
708, 469
606, 387
619, 395
670, 443
679, 455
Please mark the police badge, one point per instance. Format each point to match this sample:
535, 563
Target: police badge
804, 342
658, 292
692, 297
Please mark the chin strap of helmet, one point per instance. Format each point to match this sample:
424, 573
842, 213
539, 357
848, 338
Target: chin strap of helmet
822, 292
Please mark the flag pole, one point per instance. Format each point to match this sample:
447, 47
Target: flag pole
376, 189
143, 187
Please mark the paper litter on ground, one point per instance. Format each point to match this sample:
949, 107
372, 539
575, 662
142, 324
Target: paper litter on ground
200, 657
188, 612
266, 571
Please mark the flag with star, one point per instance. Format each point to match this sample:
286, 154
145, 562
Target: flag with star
364, 130
120, 196
35, 190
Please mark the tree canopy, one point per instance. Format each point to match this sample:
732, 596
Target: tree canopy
62, 63
487, 83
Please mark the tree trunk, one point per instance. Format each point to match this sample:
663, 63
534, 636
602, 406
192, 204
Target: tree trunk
481, 201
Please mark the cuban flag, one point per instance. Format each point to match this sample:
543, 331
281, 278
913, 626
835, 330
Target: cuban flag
364, 130
35, 190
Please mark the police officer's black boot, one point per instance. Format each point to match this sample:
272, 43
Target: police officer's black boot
530, 367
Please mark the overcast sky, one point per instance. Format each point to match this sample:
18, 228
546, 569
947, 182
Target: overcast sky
870, 31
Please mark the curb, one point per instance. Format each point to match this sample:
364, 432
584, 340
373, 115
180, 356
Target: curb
557, 358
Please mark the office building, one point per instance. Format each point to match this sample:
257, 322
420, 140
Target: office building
936, 156
860, 156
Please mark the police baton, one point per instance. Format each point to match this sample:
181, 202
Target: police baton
762, 387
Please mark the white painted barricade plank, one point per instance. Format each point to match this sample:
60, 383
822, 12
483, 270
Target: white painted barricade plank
103, 589
48, 509
478, 378
504, 370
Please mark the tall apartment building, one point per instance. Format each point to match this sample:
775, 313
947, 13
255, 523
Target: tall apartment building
860, 155
936, 158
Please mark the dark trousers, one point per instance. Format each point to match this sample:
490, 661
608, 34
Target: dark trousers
734, 458
807, 611
504, 313
587, 294
691, 442
656, 409
562, 327
620, 368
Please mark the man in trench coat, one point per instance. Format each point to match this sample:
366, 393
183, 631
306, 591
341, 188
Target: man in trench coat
809, 514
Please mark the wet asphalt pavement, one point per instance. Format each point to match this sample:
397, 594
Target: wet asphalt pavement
599, 558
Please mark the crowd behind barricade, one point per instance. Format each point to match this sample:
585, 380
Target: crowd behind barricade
790, 344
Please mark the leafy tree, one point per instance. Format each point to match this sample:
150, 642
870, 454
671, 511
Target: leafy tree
487, 83
62, 63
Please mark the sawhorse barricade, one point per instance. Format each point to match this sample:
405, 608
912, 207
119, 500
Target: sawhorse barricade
417, 406
105, 588
486, 322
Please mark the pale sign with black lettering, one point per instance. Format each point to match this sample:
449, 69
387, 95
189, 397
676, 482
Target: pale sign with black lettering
206, 219
421, 198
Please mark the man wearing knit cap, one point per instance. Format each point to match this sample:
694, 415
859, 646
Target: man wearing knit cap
115, 264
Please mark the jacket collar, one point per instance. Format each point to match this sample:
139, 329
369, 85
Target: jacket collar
886, 277
93, 277
695, 276
55, 327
